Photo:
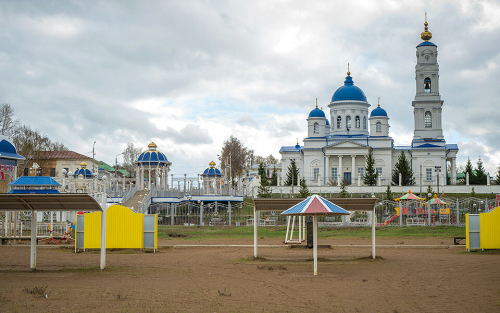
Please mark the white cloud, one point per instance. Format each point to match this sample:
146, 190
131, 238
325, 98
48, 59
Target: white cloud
190, 74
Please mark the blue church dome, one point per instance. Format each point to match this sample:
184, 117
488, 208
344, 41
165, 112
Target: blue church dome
316, 112
378, 111
212, 171
349, 91
7, 149
152, 157
327, 123
426, 43
83, 170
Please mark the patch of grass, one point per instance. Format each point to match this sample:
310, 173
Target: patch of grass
487, 252
198, 233
37, 291
226, 292
272, 267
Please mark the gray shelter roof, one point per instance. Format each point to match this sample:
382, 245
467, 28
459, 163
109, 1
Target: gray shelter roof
48, 202
349, 204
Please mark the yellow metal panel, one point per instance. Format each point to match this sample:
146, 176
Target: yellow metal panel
124, 229
156, 231
467, 231
489, 227
92, 234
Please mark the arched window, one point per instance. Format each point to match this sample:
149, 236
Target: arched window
364, 122
358, 122
339, 121
427, 85
316, 128
378, 127
348, 122
428, 119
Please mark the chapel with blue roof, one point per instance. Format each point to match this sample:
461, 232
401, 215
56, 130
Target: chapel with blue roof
338, 142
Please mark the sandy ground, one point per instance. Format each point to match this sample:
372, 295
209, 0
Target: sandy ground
411, 275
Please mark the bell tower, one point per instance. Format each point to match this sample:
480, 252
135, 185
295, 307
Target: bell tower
427, 104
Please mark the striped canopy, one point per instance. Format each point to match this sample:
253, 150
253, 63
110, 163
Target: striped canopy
435, 201
315, 205
408, 196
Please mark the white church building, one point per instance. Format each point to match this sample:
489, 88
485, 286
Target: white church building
337, 145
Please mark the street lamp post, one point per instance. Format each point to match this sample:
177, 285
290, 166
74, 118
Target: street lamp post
116, 170
438, 171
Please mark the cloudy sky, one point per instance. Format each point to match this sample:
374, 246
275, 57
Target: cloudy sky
188, 74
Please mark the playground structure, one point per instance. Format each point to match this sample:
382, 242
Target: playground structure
125, 229
483, 230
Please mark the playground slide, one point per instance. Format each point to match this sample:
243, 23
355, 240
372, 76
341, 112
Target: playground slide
391, 219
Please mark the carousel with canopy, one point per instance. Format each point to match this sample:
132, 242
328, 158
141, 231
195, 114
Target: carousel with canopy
212, 180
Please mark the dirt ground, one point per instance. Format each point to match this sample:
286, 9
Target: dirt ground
411, 275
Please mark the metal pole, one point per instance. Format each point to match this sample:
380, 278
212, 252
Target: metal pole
458, 214
315, 244
103, 232
201, 213
374, 221
254, 233
229, 209
33, 242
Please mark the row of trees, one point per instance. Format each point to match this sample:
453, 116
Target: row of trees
29, 142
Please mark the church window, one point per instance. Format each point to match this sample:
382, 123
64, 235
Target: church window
348, 122
358, 122
427, 85
334, 173
428, 119
361, 172
378, 127
364, 122
316, 128
315, 173
339, 121
428, 174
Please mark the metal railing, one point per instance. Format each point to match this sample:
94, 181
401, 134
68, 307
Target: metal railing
129, 194
143, 207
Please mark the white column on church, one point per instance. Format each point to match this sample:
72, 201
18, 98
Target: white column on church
141, 178
149, 177
453, 171
340, 172
327, 169
353, 171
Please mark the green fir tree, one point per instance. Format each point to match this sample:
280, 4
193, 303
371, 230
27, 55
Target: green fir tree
468, 169
403, 166
388, 193
481, 176
293, 171
497, 178
429, 191
274, 177
371, 174
262, 173
303, 191
343, 190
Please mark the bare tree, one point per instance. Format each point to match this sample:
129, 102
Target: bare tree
33, 145
235, 154
130, 155
8, 124
271, 159
260, 159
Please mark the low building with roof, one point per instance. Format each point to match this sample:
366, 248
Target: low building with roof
34, 185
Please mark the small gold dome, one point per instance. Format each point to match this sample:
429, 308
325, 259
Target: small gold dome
152, 146
212, 164
426, 35
83, 164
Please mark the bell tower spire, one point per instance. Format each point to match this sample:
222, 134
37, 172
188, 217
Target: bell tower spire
427, 104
